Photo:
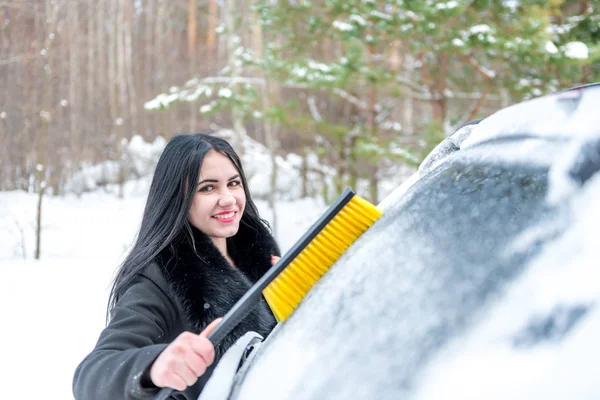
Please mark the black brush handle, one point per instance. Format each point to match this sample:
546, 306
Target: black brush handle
238, 312
164, 393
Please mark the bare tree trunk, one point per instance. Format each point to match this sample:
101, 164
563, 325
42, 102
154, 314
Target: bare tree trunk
437, 87
407, 118
162, 45
74, 85
168, 40
148, 86
45, 114
270, 141
192, 35
33, 66
59, 132
257, 37
373, 131
112, 67
304, 174
211, 32
505, 100
104, 75
270, 130
128, 68
441, 84
121, 95
92, 60
6, 162
233, 42
351, 160
115, 91
42, 190
341, 167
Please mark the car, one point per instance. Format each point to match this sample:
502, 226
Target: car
480, 281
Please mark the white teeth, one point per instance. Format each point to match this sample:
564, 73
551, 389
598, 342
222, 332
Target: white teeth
225, 216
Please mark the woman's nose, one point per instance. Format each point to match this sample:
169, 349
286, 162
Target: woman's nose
227, 200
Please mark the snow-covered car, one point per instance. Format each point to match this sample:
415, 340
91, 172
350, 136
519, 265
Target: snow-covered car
480, 281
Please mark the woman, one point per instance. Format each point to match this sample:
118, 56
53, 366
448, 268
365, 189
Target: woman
200, 247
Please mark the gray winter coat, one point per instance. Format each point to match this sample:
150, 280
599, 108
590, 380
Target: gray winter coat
181, 291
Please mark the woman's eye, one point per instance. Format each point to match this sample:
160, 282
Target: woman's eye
206, 188
235, 183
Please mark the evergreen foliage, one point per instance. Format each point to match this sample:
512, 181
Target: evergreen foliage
355, 63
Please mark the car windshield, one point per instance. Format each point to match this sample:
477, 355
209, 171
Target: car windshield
416, 279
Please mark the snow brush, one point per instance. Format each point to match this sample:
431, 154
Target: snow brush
287, 282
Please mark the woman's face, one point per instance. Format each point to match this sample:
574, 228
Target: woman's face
219, 201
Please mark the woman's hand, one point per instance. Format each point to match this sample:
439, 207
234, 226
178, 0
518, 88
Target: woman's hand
274, 260
184, 360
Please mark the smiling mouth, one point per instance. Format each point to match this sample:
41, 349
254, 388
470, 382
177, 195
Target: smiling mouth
226, 217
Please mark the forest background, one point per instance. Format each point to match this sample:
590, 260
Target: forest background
362, 88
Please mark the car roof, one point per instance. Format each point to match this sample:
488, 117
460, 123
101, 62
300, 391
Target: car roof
570, 114
525, 120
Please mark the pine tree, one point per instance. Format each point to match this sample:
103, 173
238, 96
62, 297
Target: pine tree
353, 64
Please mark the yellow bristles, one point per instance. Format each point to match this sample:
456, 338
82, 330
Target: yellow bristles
288, 289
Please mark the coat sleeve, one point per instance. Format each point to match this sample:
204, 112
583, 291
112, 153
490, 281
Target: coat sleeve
133, 339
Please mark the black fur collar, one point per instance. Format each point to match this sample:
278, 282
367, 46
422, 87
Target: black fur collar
206, 286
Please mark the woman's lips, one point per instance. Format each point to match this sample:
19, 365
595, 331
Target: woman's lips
225, 217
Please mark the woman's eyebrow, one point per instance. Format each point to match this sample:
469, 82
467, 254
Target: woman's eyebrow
216, 180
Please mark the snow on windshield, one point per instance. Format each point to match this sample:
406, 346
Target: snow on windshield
400, 290
397, 193
377, 326
540, 340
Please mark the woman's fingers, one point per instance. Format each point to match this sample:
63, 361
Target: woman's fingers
210, 327
175, 382
196, 363
184, 360
183, 371
169, 369
204, 349
167, 372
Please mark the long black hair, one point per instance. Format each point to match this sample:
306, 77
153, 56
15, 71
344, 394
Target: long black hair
169, 201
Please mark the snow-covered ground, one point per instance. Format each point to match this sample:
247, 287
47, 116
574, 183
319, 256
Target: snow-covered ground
53, 310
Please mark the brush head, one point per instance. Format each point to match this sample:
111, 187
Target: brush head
317, 251
287, 282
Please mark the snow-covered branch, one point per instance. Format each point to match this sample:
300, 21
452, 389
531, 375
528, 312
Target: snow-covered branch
410, 84
486, 73
233, 80
354, 100
417, 92
314, 111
